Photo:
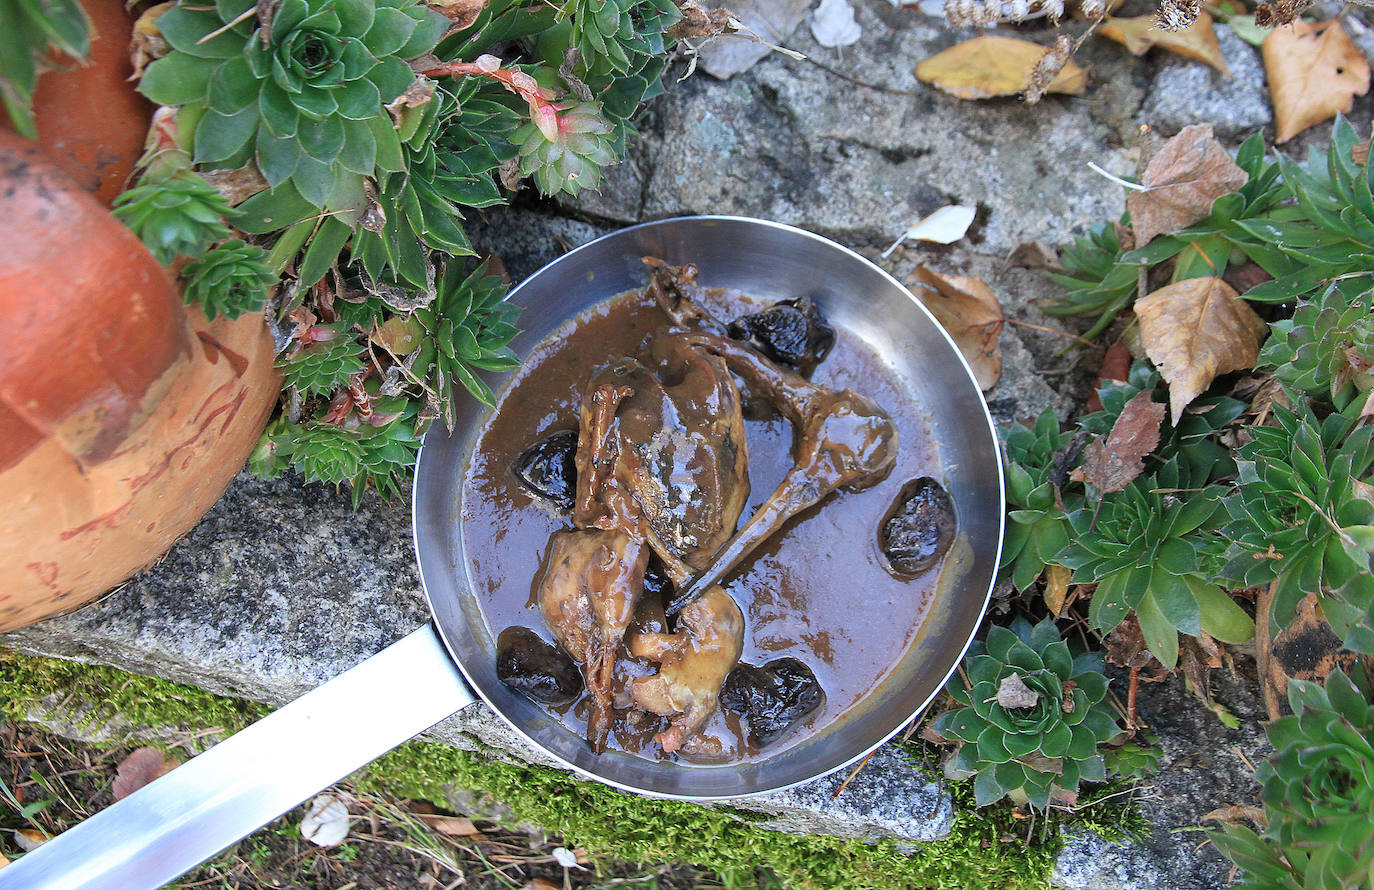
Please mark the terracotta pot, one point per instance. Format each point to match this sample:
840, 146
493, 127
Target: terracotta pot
123, 415
89, 118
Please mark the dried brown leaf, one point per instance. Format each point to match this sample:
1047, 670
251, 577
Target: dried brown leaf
541, 884
995, 66
1236, 813
1360, 153
30, 839
1126, 648
236, 186
1034, 255
1194, 330
1197, 41
1014, 693
461, 12
1111, 464
1314, 71
1057, 588
1180, 183
1307, 648
452, 826
142, 766
970, 313
146, 43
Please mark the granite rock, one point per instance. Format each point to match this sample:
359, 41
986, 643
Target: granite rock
771, 21
1186, 92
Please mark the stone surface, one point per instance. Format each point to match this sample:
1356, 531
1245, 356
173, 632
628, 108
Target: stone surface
1205, 766
1186, 92
772, 21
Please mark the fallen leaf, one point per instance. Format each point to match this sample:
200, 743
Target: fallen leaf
236, 186
833, 24
1315, 71
1057, 588
1360, 153
1126, 648
30, 839
4, 860
1111, 464
1236, 813
967, 309
994, 66
944, 226
452, 826
1116, 366
146, 43
461, 12
1180, 183
1014, 693
1197, 41
1034, 255
326, 821
1307, 648
142, 766
541, 884
1194, 330
1244, 27
569, 858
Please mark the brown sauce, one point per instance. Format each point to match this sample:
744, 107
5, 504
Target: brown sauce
818, 590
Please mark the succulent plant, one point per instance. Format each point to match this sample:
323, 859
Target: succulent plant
1153, 552
362, 455
1039, 526
325, 364
468, 326
1299, 485
617, 36
452, 143
1317, 791
1033, 716
177, 215
572, 160
1192, 440
1133, 760
1326, 349
231, 279
302, 95
31, 27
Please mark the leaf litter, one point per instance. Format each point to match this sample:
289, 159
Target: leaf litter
1112, 463
1140, 34
990, 66
1181, 182
1315, 71
968, 310
1194, 330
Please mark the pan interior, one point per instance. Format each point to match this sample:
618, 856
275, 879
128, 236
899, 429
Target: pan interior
771, 262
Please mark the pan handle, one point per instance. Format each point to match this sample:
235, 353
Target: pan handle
180, 820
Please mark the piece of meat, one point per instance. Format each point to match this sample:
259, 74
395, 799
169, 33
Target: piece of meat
693, 663
841, 440
588, 587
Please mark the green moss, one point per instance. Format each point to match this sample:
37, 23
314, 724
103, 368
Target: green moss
26, 680
981, 852
988, 849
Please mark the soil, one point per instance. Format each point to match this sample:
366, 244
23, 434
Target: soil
387, 847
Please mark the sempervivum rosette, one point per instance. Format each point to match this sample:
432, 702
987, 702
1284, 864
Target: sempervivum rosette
1033, 717
302, 96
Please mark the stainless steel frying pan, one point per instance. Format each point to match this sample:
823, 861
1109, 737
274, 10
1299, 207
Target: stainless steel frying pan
247, 780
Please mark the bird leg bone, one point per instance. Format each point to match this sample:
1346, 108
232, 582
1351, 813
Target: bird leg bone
693, 663
840, 440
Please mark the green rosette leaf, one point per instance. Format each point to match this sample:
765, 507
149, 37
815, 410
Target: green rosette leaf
231, 279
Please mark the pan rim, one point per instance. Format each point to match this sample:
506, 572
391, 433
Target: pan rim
868, 749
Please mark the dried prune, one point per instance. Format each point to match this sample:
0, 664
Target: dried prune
772, 698
793, 332
548, 469
919, 527
536, 669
